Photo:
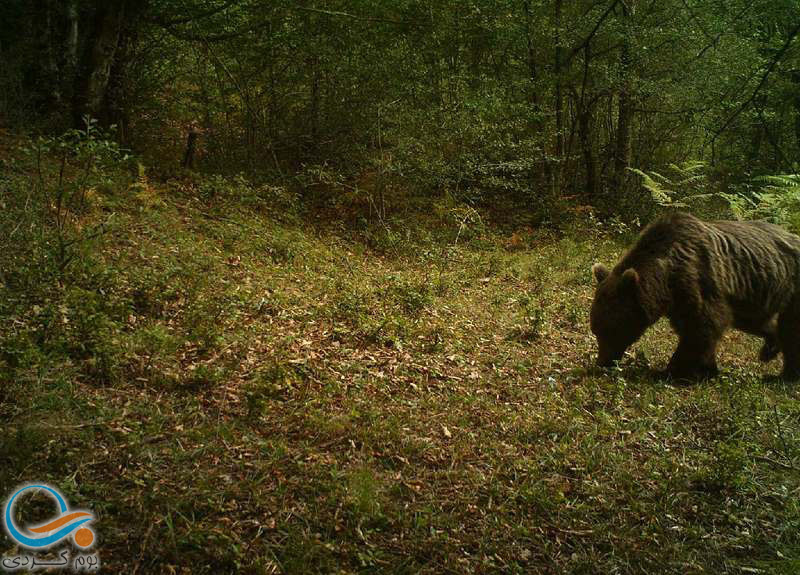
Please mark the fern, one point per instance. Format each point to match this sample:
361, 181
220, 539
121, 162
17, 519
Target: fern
686, 185
654, 182
775, 197
778, 200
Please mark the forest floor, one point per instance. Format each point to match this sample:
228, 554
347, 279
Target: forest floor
235, 391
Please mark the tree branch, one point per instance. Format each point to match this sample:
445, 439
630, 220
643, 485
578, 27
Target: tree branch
199, 16
352, 16
221, 37
718, 36
792, 35
172, 26
594, 31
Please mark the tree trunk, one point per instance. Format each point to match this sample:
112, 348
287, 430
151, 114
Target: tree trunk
97, 60
476, 46
532, 71
559, 95
795, 74
191, 148
49, 49
119, 92
622, 151
585, 114
71, 44
589, 157
314, 111
555, 167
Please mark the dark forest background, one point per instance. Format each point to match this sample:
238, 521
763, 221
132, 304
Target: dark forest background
534, 101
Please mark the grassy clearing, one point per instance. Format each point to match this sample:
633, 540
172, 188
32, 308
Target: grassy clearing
232, 391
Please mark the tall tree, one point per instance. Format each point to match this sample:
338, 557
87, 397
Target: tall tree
622, 148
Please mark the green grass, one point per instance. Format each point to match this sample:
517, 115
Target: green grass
237, 393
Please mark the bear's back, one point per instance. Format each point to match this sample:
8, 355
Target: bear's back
659, 239
751, 264
681, 234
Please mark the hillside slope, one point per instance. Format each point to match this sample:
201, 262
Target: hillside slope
232, 390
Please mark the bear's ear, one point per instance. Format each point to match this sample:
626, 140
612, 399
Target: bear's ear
600, 272
630, 278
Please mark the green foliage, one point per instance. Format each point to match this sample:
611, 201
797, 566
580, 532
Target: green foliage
56, 199
533, 324
774, 198
59, 183
413, 296
462, 98
151, 351
239, 191
482, 151
686, 184
724, 470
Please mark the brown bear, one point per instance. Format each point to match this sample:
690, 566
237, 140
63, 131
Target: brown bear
705, 277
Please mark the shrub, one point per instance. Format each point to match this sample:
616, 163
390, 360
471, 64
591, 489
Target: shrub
775, 198
47, 199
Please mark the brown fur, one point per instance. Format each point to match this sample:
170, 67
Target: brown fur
706, 277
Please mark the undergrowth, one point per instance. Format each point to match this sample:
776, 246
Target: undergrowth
233, 389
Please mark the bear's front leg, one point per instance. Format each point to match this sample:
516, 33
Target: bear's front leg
769, 331
695, 358
788, 336
699, 327
770, 349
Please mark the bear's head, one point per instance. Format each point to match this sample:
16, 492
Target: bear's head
617, 318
